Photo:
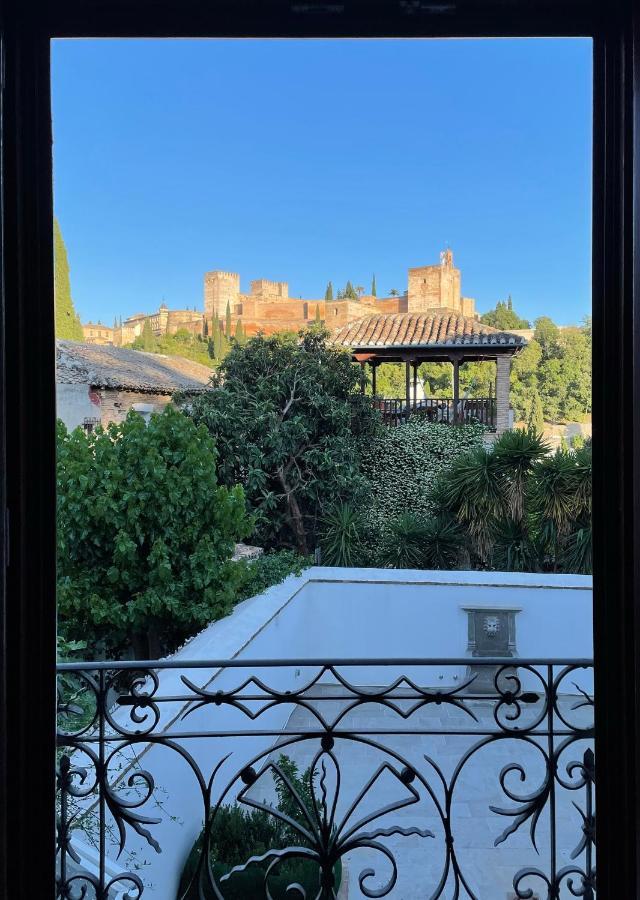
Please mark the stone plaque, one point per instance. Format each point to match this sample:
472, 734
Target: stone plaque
491, 631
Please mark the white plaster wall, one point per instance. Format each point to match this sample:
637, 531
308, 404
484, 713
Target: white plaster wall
332, 613
73, 404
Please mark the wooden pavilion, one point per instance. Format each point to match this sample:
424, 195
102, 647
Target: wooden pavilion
436, 336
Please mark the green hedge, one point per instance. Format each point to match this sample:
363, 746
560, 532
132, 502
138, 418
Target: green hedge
401, 466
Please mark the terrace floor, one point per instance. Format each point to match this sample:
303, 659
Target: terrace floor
488, 870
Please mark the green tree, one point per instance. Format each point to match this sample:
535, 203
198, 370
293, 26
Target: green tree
374, 292
239, 335
227, 324
283, 412
535, 416
350, 292
68, 324
145, 532
394, 292
504, 317
147, 337
318, 318
328, 294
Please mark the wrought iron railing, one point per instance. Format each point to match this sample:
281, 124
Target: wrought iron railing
481, 410
415, 778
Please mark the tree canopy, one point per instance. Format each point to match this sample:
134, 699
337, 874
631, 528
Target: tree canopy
284, 411
145, 532
68, 325
504, 317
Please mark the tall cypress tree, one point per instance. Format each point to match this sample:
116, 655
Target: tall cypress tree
68, 324
374, 292
147, 336
328, 294
227, 329
239, 335
318, 318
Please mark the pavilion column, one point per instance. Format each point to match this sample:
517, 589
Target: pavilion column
407, 378
374, 366
456, 388
415, 386
503, 387
363, 379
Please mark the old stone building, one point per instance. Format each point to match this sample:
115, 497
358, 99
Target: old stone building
268, 307
96, 385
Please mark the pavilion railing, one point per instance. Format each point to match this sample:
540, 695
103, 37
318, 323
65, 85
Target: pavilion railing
481, 410
434, 778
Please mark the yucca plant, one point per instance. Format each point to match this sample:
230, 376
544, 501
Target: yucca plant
340, 535
578, 552
513, 549
553, 500
474, 490
404, 542
516, 452
443, 543
583, 479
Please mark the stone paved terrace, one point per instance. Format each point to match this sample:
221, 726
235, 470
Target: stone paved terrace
489, 870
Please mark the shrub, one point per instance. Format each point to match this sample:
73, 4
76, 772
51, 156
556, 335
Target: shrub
145, 533
401, 466
265, 571
238, 833
340, 536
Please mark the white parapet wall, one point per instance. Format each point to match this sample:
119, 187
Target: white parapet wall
333, 613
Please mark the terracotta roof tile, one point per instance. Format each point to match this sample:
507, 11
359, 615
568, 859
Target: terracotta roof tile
422, 330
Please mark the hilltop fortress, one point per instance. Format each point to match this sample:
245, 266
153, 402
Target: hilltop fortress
268, 308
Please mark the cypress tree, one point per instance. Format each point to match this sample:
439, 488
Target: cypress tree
68, 324
239, 335
147, 336
227, 329
318, 319
328, 294
374, 292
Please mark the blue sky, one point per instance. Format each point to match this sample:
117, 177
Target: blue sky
306, 161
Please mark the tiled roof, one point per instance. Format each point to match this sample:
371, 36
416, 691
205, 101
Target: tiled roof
422, 330
120, 368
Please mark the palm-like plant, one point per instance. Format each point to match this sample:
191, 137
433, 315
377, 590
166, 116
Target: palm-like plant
513, 550
442, 544
340, 535
553, 499
578, 552
404, 543
474, 491
516, 452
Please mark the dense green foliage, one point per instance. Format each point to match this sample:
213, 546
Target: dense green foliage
182, 343
259, 574
145, 533
504, 317
521, 508
328, 294
68, 324
239, 832
555, 367
284, 412
401, 466
340, 535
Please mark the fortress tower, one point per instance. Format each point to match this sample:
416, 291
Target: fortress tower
438, 287
220, 288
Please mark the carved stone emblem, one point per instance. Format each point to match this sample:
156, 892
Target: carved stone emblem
491, 626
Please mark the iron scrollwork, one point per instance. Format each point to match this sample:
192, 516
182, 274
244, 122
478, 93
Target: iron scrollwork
402, 791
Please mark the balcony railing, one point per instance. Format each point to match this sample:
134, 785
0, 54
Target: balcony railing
450, 778
481, 410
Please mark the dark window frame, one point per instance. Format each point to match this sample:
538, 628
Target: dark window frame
27, 396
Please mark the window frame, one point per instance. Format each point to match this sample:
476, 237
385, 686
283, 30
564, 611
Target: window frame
27, 385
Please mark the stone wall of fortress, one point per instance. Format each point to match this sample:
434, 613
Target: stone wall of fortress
268, 308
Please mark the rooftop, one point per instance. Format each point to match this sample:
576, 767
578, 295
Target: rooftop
120, 368
435, 329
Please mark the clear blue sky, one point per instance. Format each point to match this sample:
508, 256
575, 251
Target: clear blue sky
307, 161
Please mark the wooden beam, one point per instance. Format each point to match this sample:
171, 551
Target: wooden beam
407, 374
